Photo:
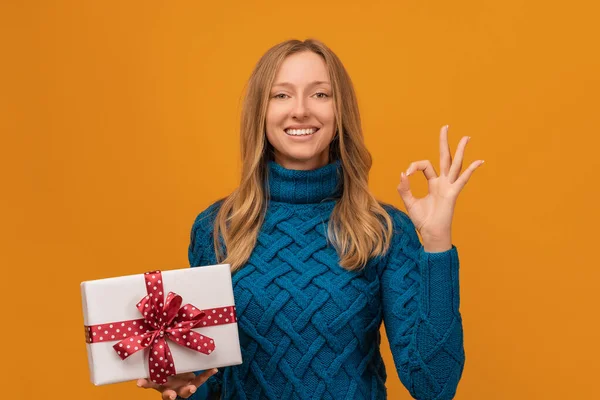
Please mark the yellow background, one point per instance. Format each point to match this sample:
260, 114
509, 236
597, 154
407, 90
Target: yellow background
119, 124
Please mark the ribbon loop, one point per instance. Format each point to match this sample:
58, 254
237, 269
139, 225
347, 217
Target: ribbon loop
168, 319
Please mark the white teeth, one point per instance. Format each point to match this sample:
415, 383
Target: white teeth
300, 132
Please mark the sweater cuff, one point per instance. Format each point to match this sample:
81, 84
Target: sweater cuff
440, 287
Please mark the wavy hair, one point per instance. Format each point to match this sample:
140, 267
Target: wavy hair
359, 228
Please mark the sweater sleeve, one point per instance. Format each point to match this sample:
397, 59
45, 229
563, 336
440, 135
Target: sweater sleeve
201, 253
420, 293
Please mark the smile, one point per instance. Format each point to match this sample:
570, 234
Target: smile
300, 132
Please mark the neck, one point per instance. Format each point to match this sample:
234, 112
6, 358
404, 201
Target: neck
303, 165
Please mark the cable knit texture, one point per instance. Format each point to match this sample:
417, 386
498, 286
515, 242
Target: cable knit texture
310, 329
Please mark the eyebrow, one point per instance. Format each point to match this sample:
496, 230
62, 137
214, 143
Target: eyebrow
310, 84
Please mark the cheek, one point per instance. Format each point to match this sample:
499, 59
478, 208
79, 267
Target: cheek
326, 114
269, 116
272, 123
274, 118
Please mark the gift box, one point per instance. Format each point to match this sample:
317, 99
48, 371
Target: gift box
157, 324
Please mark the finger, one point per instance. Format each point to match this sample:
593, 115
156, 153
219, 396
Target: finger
203, 377
458, 159
169, 394
404, 191
174, 381
423, 165
445, 157
188, 390
464, 178
147, 384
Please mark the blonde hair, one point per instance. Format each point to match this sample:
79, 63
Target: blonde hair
359, 227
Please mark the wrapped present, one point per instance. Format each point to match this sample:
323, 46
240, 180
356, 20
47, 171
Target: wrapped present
158, 324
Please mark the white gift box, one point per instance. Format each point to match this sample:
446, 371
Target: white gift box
112, 300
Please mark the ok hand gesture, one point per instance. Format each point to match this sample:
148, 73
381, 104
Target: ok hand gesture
432, 214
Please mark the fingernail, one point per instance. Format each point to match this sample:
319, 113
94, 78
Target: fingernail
215, 370
193, 390
482, 161
139, 383
172, 397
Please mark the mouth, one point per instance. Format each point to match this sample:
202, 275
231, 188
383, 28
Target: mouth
301, 132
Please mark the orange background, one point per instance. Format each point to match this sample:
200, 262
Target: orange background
119, 124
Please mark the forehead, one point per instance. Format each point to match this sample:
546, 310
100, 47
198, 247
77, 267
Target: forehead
302, 68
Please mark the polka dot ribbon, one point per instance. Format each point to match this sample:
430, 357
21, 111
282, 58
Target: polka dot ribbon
163, 318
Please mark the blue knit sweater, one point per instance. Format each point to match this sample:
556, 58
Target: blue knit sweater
310, 329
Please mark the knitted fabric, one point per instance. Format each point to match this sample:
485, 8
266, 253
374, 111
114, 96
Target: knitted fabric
310, 329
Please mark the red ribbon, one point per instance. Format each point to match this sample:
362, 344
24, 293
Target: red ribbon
163, 318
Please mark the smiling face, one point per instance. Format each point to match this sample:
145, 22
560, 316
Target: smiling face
301, 98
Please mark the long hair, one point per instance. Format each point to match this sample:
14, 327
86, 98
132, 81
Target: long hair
359, 228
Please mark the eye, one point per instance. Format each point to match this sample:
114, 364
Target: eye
324, 95
277, 96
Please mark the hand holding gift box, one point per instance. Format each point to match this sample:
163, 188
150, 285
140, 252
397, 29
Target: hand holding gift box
170, 337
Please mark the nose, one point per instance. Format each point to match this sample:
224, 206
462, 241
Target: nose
300, 110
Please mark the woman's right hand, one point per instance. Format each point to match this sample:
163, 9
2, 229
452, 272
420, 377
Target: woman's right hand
182, 385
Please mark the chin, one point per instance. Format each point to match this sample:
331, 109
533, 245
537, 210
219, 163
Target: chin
303, 157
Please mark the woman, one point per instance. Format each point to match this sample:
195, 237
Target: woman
317, 262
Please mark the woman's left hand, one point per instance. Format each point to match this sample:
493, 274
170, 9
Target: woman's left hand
432, 214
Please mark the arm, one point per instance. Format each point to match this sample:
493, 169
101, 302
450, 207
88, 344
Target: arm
420, 294
200, 253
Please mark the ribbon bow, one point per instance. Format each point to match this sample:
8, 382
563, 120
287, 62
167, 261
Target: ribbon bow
165, 319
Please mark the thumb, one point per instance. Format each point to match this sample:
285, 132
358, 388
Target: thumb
404, 191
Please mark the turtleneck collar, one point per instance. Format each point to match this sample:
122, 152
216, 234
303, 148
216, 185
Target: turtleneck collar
304, 187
